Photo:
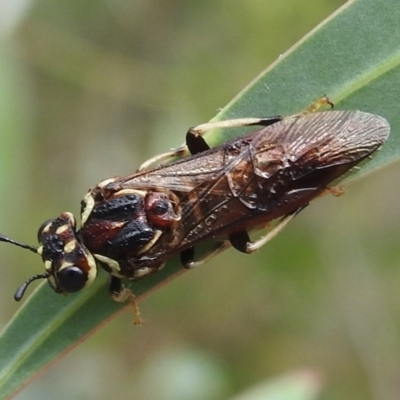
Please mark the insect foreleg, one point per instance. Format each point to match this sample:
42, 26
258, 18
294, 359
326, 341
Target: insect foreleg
121, 294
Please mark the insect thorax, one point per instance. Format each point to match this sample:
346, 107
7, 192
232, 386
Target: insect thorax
127, 230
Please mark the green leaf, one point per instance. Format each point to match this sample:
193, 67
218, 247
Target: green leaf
353, 57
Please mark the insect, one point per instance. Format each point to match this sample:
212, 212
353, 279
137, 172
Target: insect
131, 225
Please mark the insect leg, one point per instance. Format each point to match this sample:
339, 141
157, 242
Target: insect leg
241, 241
164, 157
194, 137
121, 294
188, 255
196, 144
324, 100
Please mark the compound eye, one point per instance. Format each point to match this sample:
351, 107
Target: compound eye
71, 279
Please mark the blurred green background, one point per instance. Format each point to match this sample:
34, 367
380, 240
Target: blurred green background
91, 89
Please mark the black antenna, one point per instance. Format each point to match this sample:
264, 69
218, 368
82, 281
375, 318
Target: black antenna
21, 290
23, 245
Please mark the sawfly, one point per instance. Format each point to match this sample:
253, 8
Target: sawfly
132, 225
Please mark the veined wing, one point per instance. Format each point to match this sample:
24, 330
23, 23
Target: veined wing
320, 140
222, 186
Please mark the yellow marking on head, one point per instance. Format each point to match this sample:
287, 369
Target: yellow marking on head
149, 245
62, 229
89, 200
70, 246
47, 227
